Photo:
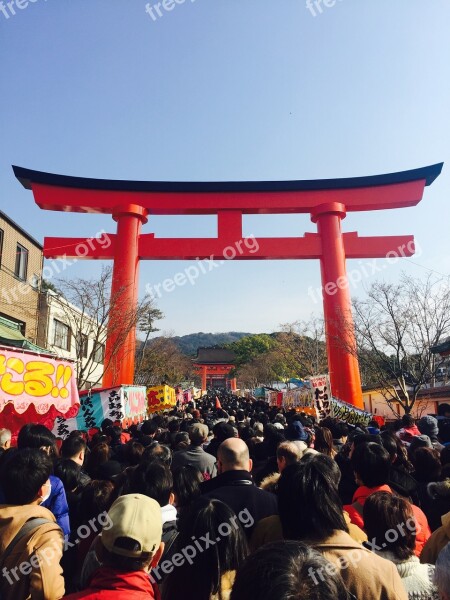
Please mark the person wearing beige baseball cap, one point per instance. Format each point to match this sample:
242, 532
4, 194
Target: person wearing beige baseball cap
130, 546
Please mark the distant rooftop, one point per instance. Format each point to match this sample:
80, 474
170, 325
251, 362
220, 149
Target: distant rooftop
215, 356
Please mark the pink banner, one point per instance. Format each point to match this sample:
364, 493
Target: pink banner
27, 379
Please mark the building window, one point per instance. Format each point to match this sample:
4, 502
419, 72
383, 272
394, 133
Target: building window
1, 245
99, 353
62, 335
21, 262
82, 345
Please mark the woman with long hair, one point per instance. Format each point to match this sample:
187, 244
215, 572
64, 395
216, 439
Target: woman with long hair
217, 546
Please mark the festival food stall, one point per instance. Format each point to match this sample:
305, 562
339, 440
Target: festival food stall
126, 404
35, 388
160, 397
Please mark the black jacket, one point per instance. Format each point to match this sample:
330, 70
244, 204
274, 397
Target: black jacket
236, 488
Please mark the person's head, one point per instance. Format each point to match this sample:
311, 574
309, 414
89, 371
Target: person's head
24, 476
308, 499
233, 455
223, 431
100, 453
214, 520
153, 480
69, 472
289, 570
186, 485
74, 447
198, 434
427, 465
181, 441
106, 424
96, 497
323, 442
444, 410
407, 421
133, 540
428, 425
442, 573
133, 451
389, 522
370, 463
35, 435
288, 453
296, 432
5, 439
149, 428
157, 452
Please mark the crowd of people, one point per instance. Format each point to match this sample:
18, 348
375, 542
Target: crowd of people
228, 499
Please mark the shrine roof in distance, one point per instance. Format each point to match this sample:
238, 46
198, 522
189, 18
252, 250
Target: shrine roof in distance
214, 356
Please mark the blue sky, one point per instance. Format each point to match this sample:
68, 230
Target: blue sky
230, 90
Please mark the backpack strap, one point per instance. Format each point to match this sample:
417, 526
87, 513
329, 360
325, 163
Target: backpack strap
358, 507
27, 527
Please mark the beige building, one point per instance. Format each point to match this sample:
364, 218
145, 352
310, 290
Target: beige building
72, 334
21, 262
427, 402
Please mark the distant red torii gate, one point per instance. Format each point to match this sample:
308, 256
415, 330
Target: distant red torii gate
327, 201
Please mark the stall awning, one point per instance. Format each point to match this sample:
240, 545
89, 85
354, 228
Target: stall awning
10, 335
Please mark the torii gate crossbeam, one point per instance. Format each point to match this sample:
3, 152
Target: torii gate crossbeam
327, 201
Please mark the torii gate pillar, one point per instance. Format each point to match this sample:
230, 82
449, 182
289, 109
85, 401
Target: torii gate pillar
340, 336
124, 295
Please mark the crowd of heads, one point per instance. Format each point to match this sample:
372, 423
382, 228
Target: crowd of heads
158, 501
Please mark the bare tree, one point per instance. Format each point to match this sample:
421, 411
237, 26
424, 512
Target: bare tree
396, 326
163, 362
86, 306
303, 345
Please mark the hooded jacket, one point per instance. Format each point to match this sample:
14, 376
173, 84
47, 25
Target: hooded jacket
359, 498
32, 569
439, 539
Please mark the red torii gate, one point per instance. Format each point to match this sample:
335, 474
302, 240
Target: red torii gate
327, 201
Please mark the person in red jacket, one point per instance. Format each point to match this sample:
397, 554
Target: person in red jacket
128, 549
370, 463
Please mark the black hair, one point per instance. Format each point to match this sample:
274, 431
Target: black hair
371, 462
35, 435
157, 452
300, 486
69, 473
72, 446
186, 485
133, 452
128, 564
152, 479
443, 409
445, 455
106, 424
397, 451
288, 570
202, 578
97, 496
407, 420
23, 473
149, 427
